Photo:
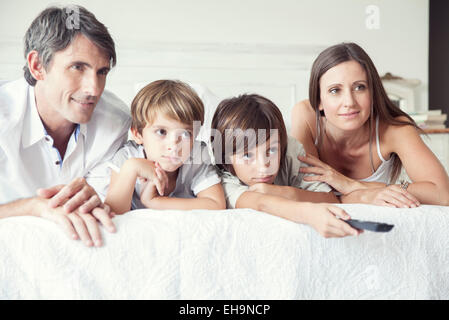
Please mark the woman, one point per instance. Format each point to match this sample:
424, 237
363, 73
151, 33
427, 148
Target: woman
357, 140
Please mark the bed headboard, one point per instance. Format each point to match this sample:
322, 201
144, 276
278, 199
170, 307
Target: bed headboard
279, 72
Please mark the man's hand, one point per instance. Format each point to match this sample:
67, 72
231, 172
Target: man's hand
77, 225
76, 207
77, 195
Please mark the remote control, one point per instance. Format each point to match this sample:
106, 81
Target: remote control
369, 225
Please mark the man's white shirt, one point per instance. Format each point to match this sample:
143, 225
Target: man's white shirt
29, 161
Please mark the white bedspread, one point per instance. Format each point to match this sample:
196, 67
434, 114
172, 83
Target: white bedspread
238, 254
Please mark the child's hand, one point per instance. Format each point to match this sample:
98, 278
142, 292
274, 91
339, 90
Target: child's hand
150, 190
323, 218
162, 177
147, 170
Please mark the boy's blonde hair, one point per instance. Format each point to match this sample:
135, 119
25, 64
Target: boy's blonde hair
172, 98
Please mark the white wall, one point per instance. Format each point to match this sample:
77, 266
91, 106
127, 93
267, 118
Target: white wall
283, 28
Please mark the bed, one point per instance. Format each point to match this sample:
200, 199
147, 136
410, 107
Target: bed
229, 254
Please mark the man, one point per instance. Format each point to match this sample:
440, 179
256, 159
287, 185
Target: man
57, 124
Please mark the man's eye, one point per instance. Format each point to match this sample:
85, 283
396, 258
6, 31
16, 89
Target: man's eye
103, 72
77, 67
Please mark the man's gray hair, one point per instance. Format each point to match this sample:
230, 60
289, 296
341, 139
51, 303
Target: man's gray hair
55, 28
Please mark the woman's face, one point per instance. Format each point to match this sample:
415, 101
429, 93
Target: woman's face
345, 96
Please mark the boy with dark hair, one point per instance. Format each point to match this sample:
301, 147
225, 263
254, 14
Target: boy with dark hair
260, 169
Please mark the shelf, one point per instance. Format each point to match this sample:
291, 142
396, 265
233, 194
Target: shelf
436, 130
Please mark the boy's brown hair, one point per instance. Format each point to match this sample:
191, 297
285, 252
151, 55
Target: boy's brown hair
172, 98
242, 113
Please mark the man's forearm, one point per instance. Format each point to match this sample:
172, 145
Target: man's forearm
22, 207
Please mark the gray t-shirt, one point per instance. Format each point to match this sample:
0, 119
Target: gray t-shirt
288, 175
194, 176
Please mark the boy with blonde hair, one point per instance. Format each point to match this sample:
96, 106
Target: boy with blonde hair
165, 168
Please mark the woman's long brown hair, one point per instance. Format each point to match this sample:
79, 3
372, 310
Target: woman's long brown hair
381, 105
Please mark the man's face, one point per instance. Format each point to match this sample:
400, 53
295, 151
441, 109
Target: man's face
74, 81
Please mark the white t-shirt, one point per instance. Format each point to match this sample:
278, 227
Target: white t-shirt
29, 161
195, 175
288, 175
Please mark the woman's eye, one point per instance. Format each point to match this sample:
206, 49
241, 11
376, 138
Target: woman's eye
360, 87
333, 90
161, 132
272, 151
246, 156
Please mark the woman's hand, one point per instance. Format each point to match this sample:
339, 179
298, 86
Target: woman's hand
390, 196
324, 218
325, 173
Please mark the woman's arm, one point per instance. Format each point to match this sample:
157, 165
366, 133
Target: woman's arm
211, 198
304, 130
303, 126
321, 216
430, 182
390, 196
